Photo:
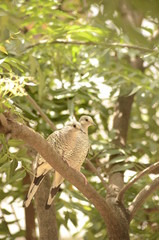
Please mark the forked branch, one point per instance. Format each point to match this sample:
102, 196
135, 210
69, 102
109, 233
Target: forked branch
142, 196
135, 179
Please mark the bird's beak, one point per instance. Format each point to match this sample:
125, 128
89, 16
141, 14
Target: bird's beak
93, 123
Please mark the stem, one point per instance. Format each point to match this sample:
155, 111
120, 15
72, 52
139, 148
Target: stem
111, 45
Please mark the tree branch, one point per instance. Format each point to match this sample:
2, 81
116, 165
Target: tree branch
142, 196
35, 140
92, 167
136, 178
111, 45
140, 166
151, 210
38, 109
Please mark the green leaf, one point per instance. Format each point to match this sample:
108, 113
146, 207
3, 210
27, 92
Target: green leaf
2, 49
6, 66
5, 167
13, 166
19, 174
4, 158
122, 168
6, 211
73, 218
117, 159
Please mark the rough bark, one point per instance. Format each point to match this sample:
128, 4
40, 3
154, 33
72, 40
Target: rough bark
118, 227
46, 218
120, 125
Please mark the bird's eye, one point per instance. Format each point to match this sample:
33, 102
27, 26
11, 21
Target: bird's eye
86, 119
74, 125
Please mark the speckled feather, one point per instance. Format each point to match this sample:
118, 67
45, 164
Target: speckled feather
76, 159
63, 141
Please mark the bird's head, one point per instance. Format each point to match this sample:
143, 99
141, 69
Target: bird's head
86, 121
74, 125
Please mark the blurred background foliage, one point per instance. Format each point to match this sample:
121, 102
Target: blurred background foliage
73, 58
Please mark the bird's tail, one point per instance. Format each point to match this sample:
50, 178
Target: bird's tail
41, 170
32, 190
58, 179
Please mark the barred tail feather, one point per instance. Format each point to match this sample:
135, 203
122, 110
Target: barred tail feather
32, 190
42, 169
58, 179
51, 197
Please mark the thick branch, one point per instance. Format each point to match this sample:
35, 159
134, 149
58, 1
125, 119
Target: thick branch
142, 196
136, 178
34, 139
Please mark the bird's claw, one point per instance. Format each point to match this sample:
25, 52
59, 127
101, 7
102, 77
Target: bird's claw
84, 178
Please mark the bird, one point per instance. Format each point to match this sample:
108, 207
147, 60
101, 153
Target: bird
77, 158
63, 141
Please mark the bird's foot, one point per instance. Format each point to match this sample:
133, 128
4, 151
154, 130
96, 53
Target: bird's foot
84, 178
67, 163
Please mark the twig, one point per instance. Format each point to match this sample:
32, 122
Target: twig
141, 197
151, 210
92, 167
37, 108
136, 178
95, 44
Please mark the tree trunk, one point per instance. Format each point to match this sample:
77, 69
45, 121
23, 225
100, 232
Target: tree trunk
29, 216
118, 225
46, 218
120, 124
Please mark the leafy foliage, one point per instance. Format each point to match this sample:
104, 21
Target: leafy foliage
63, 54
